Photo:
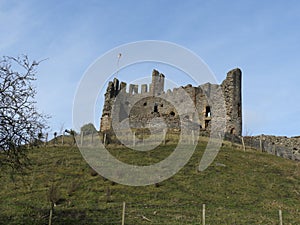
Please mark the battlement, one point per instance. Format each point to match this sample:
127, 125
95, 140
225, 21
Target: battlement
155, 88
114, 88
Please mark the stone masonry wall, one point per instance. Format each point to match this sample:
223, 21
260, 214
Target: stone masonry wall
277, 145
206, 98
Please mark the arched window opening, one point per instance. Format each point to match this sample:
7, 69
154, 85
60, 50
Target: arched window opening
207, 111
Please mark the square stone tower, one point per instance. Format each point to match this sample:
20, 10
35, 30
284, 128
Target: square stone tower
158, 82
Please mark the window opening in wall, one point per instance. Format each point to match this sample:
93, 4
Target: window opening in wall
172, 113
155, 108
145, 104
207, 111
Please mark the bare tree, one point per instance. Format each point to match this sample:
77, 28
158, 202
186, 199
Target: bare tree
20, 122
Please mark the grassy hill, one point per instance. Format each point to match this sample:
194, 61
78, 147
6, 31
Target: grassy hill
238, 188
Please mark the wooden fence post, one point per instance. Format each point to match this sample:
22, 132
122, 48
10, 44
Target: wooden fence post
280, 217
104, 139
81, 138
123, 213
133, 139
193, 137
51, 214
243, 144
203, 214
46, 141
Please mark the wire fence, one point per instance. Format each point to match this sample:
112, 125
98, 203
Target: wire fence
164, 212
187, 213
289, 148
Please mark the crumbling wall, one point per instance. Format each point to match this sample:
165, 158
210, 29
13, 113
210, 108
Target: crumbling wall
206, 98
277, 145
233, 98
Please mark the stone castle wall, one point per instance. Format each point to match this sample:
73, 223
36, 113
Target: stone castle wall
277, 145
152, 102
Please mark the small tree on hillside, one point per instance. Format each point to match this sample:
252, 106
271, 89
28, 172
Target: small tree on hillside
20, 122
72, 133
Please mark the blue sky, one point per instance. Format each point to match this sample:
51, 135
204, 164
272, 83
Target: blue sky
260, 37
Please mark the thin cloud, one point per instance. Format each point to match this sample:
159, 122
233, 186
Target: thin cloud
260, 38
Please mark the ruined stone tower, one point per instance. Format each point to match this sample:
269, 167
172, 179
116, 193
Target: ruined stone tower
158, 82
233, 97
153, 104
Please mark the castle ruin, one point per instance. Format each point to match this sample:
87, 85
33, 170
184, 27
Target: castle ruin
150, 102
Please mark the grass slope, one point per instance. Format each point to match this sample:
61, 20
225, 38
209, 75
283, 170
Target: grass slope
238, 188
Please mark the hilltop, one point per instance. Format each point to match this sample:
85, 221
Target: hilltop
238, 188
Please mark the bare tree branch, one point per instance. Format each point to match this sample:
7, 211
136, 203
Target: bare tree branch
20, 122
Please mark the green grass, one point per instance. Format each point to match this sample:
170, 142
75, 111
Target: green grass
249, 189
